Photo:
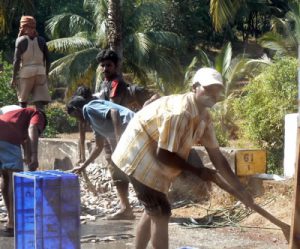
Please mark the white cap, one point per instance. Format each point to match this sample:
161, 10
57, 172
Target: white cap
207, 76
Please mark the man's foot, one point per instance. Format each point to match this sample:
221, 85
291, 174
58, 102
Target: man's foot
7, 232
121, 215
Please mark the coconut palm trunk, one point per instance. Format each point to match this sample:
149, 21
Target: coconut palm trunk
115, 27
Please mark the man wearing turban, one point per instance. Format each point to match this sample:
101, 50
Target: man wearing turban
31, 65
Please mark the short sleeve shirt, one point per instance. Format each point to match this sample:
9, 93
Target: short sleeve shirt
96, 113
172, 123
114, 88
14, 124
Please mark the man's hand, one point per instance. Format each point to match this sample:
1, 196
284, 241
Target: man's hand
33, 165
80, 161
78, 170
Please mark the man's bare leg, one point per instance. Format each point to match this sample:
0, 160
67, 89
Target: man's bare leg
143, 232
125, 213
7, 192
159, 232
124, 202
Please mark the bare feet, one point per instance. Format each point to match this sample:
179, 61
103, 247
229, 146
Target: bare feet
122, 215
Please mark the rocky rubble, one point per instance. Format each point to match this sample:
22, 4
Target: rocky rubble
3, 215
99, 196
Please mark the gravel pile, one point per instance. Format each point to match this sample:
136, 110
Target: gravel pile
98, 195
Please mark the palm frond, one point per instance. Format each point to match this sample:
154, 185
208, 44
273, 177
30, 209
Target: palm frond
165, 39
59, 70
294, 15
255, 66
86, 79
67, 24
273, 41
69, 68
142, 12
280, 26
200, 60
241, 68
139, 46
101, 35
99, 9
69, 44
166, 66
227, 57
286, 33
222, 12
223, 59
139, 73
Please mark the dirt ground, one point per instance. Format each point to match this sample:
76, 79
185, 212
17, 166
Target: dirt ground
276, 199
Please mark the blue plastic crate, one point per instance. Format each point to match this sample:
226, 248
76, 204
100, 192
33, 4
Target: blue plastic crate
47, 210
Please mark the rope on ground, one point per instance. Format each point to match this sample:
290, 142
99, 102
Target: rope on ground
222, 217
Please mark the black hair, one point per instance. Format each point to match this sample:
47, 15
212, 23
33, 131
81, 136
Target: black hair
84, 92
107, 54
76, 103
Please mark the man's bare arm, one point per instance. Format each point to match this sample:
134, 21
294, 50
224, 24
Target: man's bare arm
116, 121
82, 128
222, 165
172, 160
33, 137
94, 154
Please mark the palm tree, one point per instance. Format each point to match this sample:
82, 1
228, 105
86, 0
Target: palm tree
285, 35
9, 9
114, 23
80, 39
249, 15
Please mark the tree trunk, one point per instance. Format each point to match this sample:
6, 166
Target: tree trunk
115, 27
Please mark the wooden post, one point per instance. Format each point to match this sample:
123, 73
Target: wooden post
295, 224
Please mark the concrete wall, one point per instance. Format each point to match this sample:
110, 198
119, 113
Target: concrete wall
63, 154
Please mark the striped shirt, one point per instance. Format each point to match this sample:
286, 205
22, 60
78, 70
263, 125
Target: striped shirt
172, 123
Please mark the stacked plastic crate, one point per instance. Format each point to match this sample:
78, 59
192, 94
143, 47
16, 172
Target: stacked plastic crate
47, 210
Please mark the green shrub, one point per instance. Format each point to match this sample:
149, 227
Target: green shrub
221, 133
8, 95
263, 105
59, 121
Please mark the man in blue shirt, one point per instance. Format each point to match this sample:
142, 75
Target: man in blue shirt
108, 121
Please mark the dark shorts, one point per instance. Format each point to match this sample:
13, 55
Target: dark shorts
120, 179
10, 157
155, 203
